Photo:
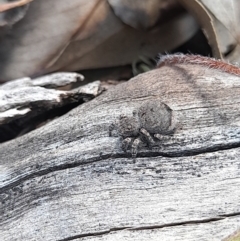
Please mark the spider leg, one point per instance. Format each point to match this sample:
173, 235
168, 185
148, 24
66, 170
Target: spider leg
126, 143
161, 137
112, 129
135, 146
147, 137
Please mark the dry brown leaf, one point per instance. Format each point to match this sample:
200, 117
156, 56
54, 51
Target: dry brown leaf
61, 35
205, 19
226, 14
141, 14
7, 6
220, 22
11, 13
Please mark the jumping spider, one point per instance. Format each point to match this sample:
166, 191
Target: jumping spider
150, 123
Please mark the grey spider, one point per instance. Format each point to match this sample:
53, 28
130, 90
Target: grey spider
150, 122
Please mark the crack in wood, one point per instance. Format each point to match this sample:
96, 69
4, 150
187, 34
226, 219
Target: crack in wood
191, 222
94, 234
116, 156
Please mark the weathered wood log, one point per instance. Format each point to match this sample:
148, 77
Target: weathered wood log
76, 179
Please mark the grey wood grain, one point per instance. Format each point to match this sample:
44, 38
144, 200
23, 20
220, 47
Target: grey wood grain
71, 179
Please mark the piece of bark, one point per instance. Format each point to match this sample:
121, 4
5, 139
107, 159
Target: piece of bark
22, 100
71, 180
22, 94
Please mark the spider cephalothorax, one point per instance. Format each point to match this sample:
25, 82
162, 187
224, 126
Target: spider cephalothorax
151, 122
